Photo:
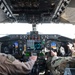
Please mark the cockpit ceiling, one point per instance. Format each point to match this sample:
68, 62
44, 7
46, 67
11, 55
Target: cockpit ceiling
36, 11
33, 10
29, 6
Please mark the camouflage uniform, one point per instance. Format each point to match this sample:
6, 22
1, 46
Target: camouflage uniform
57, 65
11, 66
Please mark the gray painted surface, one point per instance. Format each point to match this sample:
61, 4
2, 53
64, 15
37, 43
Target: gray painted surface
69, 14
2, 16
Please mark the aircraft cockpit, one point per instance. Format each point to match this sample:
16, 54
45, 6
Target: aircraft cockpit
34, 43
23, 46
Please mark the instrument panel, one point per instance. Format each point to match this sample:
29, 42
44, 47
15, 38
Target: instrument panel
19, 45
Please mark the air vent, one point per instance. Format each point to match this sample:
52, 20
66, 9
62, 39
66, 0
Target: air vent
62, 8
66, 2
5, 9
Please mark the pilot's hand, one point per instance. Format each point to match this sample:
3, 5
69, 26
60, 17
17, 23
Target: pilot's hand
34, 58
70, 46
53, 53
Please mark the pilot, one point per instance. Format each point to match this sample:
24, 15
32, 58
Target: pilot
72, 48
9, 65
49, 60
57, 64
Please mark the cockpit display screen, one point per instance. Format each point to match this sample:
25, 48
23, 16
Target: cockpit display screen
16, 44
53, 45
33, 45
30, 44
37, 45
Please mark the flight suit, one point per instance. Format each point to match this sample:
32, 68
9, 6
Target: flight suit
57, 64
11, 66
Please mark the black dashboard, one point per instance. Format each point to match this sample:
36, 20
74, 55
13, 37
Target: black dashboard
26, 44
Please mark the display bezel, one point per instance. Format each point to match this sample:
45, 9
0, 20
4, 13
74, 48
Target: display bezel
36, 44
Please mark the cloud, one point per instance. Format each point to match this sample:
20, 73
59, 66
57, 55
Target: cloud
47, 28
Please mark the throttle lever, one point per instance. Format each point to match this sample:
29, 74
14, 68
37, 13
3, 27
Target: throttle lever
45, 50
